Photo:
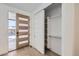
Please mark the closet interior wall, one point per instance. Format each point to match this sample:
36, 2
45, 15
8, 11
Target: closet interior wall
53, 28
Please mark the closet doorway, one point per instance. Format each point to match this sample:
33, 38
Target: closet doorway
53, 29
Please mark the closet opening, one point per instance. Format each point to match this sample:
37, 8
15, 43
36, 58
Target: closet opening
53, 29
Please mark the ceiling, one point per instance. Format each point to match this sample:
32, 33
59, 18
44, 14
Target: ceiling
30, 7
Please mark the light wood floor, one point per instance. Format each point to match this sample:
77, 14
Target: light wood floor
29, 51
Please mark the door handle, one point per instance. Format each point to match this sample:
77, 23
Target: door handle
17, 33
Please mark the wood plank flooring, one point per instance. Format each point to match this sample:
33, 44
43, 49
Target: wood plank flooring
29, 51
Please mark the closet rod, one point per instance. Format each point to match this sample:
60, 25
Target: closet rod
51, 17
57, 37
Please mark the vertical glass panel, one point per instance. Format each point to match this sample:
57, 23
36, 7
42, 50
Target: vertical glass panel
12, 31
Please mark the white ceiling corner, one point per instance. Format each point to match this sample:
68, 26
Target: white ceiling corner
30, 7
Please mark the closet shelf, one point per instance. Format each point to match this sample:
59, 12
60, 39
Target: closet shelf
57, 37
51, 17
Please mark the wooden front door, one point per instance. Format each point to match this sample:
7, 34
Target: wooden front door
22, 31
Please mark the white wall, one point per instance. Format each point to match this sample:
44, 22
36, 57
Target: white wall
67, 29
3, 29
38, 31
32, 26
4, 26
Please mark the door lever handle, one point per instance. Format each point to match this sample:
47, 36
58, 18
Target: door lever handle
17, 33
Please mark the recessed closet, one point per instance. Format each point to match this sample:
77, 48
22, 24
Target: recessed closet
53, 28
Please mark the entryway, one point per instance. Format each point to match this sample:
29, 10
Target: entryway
18, 31
46, 30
